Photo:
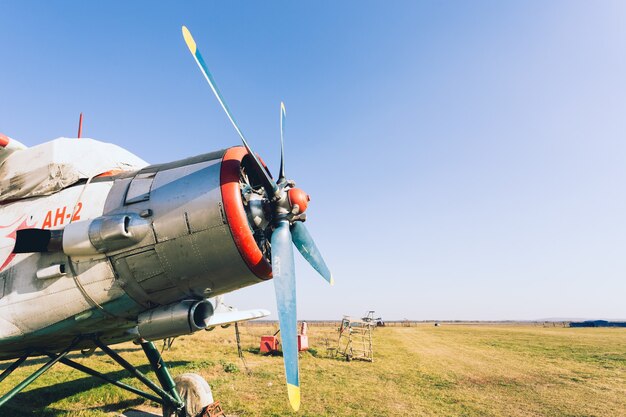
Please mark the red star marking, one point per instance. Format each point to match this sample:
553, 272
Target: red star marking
10, 232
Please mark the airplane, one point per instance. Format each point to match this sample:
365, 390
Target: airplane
97, 247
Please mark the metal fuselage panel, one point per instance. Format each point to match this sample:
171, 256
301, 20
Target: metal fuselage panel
29, 304
189, 253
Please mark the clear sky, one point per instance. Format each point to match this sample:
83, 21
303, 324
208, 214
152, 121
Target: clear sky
465, 159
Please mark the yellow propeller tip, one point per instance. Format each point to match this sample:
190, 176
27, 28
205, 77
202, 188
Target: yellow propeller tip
294, 396
191, 44
332, 280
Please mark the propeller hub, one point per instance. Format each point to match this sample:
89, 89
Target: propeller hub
297, 197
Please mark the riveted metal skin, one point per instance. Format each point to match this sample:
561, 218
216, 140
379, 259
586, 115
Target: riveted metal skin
194, 253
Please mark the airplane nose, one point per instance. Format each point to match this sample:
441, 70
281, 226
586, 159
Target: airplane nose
202, 241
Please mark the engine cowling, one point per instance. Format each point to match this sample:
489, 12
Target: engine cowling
202, 242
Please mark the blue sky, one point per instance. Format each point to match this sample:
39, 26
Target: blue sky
465, 159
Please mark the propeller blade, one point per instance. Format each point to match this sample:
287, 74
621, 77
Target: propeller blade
283, 114
305, 244
283, 271
268, 183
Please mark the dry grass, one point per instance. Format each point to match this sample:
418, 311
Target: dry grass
453, 370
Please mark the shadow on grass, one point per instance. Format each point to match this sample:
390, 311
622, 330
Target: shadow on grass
257, 351
119, 407
40, 360
36, 402
310, 351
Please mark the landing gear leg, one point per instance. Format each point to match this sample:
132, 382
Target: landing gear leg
195, 390
169, 395
19, 387
160, 369
165, 378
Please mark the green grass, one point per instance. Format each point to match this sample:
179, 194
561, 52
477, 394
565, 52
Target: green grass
452, 370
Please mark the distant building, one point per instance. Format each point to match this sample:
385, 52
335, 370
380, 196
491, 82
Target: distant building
598, 323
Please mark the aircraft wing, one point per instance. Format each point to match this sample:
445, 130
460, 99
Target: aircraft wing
229, 317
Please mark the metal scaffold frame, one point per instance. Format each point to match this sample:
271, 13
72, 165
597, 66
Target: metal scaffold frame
355, 340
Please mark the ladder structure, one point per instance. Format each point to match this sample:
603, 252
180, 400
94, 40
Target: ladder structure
355, 340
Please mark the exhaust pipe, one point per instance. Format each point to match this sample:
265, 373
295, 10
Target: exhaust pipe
174, 320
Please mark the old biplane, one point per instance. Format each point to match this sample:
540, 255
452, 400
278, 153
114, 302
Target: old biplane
97, 247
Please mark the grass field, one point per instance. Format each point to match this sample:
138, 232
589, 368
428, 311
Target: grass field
452, 370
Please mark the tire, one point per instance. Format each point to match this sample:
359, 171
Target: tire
195, 392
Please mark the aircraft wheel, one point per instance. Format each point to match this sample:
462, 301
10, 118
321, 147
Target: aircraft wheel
195, 392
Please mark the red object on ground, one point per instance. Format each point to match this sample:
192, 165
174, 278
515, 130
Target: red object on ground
269, 344
303, 342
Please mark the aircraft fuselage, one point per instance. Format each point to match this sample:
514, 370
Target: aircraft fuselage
196, 242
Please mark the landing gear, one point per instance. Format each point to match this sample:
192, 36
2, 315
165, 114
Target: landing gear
19, 387
191, 387
168, 396
196, 394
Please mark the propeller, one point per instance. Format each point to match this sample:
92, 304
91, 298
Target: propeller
268, 182
288, 205
283, 114
284, 279
305, 244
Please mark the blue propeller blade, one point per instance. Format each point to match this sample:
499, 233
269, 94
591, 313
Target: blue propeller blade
283, 115
305, 244
270, 186
283, 271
